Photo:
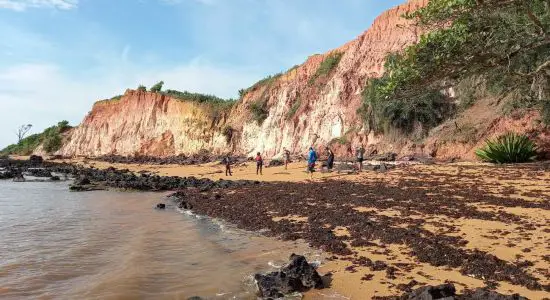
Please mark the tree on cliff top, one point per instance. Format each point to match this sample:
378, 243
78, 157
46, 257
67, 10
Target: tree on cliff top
141, 88
22, 131
157, 87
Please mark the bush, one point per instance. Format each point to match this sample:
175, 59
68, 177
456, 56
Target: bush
50, 139
157, 87
267, 81
259, 111
294, 108
330, 62
142, 88
508, 148
545, 112
228, 133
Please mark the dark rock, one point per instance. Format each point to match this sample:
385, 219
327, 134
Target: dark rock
19, 178
195, 298
297, 276
55, 178
484, 294
275, 163
39, 172
445, 291
390, 156
36, 160
161, 206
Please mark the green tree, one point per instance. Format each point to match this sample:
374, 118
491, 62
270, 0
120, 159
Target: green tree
157, 87
506, 43
141, 88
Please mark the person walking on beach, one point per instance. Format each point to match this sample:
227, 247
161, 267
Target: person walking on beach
360, 152
259, 163
286, 156
312, 158
330, 159
227, 162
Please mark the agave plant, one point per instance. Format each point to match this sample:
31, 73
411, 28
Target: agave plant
508, 148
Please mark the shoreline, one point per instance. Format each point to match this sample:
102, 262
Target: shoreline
497, 213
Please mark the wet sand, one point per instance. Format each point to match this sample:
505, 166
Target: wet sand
471, 224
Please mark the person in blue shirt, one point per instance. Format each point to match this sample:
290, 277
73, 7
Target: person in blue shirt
312, 158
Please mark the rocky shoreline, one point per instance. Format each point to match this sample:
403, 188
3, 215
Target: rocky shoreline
318, 210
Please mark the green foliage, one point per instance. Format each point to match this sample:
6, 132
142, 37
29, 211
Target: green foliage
228, 132
50, 138
259, 111
197, 97
267, 81
116, 98
545, 112
504, 43
508, 148
141, 88
294, 108
328, 64
157, 87
343, 140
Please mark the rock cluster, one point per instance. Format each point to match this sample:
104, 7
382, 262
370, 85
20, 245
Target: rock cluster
297, 276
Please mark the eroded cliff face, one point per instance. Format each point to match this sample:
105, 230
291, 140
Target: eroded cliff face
146, 123
304, 109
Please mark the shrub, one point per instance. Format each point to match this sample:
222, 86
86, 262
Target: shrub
330, 62
157, 87
340, 140
50, 139
508, 148
294, 108
228, 133
545, 112
259, 111
267, 81
141, 88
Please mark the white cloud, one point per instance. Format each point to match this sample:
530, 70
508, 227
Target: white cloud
22, 5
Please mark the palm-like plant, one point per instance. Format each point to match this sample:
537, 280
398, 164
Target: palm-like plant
508, 148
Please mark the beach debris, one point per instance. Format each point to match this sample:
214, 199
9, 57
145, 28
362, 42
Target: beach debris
297, 276
161, 206
447, 291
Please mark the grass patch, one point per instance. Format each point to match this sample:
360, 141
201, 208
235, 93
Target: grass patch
294, 108
330, 62
259, 111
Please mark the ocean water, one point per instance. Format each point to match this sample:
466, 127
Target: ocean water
56, 244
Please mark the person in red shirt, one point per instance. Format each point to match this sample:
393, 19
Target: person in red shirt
259, 163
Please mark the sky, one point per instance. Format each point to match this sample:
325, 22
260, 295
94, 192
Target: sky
57, 57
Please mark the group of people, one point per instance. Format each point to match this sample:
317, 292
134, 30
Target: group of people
311, 160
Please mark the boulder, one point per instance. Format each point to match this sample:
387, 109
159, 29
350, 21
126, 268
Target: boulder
19, 178
36, 160
297, 276
55, 178
485, 294
275, 163
161, 206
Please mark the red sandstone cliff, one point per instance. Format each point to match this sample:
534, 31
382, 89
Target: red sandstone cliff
151, 124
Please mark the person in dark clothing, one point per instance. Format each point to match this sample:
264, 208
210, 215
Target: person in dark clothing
360, 152
227, 162
259, 163
330, 159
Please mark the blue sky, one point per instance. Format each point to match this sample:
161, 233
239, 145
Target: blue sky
57, 57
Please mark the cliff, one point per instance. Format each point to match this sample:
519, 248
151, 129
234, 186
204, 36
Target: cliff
147, 123
315, 103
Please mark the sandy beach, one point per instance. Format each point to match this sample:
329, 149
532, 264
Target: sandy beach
492, 220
